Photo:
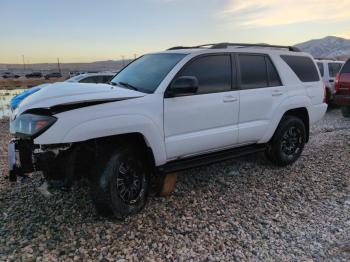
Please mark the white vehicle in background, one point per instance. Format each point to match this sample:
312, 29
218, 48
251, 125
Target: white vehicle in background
329, 69
166, 112
94, 78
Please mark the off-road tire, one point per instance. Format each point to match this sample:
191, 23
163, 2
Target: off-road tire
111, 169
290, 133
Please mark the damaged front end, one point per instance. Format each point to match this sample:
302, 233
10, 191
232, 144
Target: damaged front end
25, 157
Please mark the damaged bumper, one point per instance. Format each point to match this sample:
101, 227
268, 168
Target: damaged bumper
20, 159
25, 157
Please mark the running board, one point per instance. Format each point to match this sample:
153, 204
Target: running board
207, 159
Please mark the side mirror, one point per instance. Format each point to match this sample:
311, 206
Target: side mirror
183, 85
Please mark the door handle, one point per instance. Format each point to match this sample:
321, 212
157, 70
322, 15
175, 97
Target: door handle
331, 80
228, 99
277, 93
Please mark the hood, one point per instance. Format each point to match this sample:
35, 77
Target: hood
65, 93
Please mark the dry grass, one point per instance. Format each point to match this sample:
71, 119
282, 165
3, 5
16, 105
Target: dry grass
23, 83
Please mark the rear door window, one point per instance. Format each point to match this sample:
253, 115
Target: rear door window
303, 67
253, 71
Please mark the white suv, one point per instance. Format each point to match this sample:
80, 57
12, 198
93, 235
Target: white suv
329, 70
166, 112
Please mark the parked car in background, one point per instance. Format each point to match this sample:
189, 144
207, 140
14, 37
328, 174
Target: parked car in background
342, 88
34, 75
53, 75
95, 78
10, 75
329, 70
166, 112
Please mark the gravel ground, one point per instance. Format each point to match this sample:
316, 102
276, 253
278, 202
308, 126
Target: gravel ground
243, 209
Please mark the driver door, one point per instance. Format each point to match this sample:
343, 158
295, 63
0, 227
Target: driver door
208, 119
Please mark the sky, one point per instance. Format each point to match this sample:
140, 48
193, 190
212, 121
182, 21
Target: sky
95, 30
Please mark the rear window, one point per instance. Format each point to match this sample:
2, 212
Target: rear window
321, 68
334, 68
257, 71
253, 71
303, 67
346, 67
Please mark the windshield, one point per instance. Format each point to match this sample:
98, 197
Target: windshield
147, 72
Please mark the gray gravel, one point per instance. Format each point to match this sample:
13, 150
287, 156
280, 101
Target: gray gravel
243, 209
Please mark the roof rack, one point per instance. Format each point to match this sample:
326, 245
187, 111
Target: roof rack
326, 58
240, 45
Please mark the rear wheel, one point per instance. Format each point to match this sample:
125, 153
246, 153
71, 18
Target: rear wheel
120, 184
288, 141
345, 110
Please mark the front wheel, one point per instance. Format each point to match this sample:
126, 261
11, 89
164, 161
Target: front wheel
345, 110
120, 184
288, 141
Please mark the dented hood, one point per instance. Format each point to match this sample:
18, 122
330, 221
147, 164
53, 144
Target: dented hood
65, 93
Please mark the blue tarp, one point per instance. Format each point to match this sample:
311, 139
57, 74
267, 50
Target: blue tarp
18, 98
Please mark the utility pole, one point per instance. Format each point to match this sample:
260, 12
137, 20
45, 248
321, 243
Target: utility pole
135, 55
123, 62
24, 64
58, 64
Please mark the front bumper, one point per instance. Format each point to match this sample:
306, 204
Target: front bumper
26, 157
20, 158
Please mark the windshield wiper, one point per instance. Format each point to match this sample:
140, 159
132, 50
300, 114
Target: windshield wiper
128, 85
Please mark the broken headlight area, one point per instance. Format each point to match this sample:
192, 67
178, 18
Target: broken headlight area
31, 125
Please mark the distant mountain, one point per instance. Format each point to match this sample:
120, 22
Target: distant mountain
328, 47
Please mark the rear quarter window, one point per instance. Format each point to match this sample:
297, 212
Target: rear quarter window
303, 67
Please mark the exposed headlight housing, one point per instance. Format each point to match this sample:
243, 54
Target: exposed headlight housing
31, 125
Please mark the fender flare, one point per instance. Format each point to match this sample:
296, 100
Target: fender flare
287, 104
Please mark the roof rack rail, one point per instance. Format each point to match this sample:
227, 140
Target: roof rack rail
226, 45
326, 58
190, 47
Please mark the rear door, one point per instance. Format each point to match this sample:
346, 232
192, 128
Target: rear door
207, 120
261, 90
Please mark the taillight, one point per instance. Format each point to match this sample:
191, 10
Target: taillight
337, 83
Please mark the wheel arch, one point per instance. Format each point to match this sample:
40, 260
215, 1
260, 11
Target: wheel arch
302, 114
